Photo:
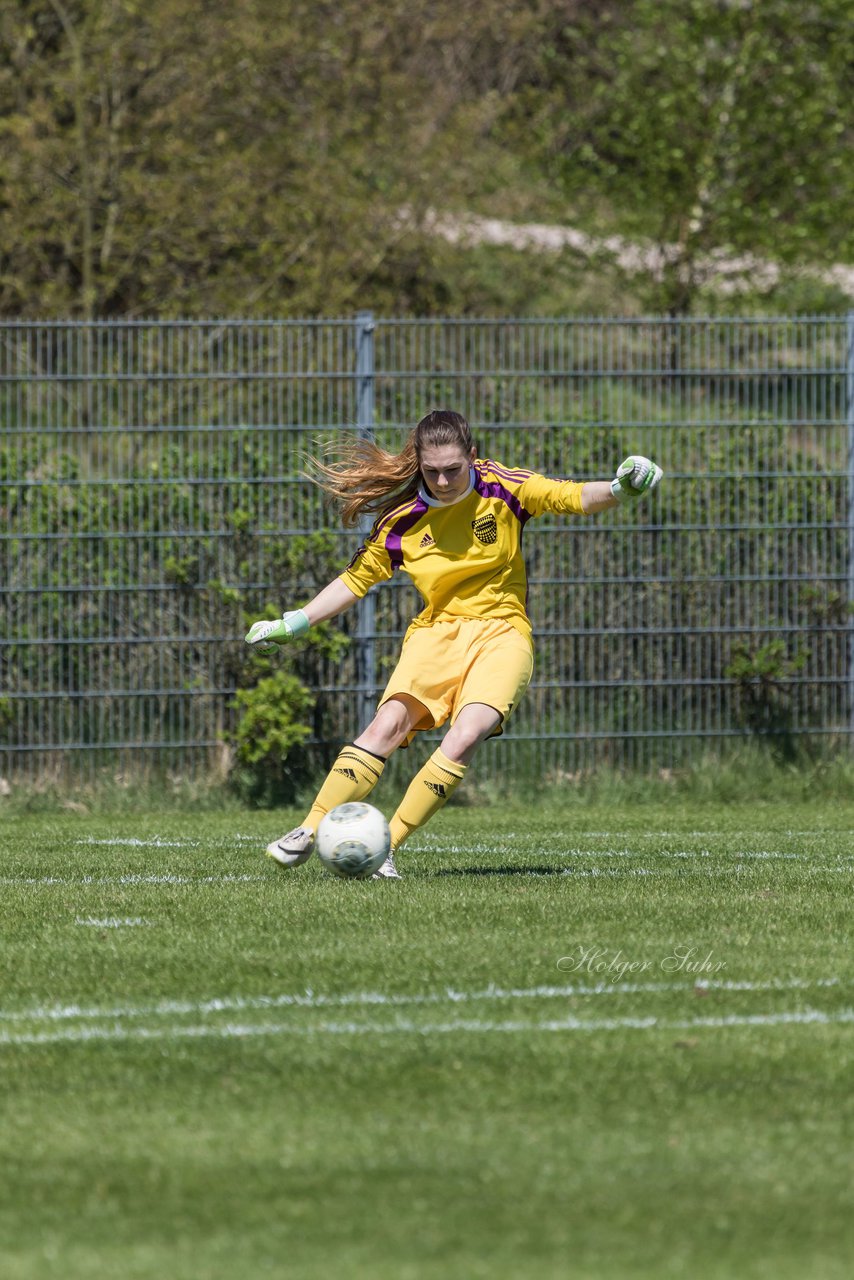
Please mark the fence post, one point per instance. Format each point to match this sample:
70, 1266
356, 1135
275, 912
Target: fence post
849, 389
366, 674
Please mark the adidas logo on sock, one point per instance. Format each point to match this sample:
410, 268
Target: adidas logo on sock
348, 773
437, 789
426, 541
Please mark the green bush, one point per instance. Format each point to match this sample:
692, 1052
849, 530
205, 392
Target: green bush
270, 763
762, 679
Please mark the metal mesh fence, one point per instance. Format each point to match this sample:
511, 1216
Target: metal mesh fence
152, 501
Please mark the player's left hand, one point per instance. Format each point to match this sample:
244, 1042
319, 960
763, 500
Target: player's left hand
635, 476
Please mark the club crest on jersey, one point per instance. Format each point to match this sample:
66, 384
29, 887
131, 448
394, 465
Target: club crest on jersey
485, 529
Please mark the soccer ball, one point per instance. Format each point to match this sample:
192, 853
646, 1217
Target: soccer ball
353, 840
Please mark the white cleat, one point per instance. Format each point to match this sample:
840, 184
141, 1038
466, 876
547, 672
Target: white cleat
293, 849
388, 871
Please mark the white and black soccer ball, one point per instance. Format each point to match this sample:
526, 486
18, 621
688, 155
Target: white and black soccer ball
353, 840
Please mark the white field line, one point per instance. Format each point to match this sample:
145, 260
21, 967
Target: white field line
660, 833
430, 843
666, 871
67, 1035
682, 835
577, 852
845, 865
155, 842
134, 878
435, 844
743, 862
112, 922
311, 1000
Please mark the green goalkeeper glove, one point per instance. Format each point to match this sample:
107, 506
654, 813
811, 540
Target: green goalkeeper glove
634, 477
265, 636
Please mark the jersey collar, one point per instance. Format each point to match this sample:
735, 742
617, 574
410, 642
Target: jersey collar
434, 502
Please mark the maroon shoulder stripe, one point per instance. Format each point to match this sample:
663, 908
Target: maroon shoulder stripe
382, 521
494, 489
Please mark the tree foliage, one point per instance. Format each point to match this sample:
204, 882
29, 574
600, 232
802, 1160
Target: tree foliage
279, 156
710, 125
180, 157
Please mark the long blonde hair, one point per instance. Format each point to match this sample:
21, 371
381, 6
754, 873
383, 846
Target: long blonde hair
367, 479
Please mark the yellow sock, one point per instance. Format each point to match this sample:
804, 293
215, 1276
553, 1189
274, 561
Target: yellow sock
352, 777
426, 794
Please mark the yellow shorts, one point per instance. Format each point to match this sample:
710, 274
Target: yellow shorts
449, 665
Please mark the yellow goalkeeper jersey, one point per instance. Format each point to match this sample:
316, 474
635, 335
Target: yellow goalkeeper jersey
465, 558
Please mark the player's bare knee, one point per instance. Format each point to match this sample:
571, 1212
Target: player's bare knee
380, 739
387, 730
474, 724
460, 752
460, 746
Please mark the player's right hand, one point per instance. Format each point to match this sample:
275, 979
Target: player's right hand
266, 635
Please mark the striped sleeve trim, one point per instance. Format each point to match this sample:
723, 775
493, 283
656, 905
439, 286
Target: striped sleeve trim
519, 476
516, 474
357, 554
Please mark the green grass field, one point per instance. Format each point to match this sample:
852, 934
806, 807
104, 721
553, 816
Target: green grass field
574, 1042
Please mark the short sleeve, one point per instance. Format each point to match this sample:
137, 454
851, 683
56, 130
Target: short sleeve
370, 564
539, 495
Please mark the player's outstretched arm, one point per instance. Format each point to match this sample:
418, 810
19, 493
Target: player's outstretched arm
635, 477
332, 600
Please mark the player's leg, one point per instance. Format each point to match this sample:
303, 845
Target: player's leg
394, 722
353, 776
496, 662
433, 785
476, 722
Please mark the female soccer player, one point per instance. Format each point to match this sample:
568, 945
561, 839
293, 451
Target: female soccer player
453, 522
